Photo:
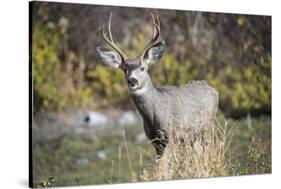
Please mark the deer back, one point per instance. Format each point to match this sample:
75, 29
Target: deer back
192, 106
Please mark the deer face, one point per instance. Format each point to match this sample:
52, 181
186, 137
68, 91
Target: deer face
135, 74
135, 69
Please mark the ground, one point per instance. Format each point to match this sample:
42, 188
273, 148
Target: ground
118, 155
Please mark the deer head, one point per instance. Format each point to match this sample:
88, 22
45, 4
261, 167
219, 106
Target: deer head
135, 69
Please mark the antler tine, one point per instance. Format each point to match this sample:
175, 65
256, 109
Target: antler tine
109, 28
110, 41
158, 22
155, 35
153, 22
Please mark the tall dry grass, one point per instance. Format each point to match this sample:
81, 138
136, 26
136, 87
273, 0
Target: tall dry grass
193, 156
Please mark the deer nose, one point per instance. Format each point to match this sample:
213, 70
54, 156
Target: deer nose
132, 82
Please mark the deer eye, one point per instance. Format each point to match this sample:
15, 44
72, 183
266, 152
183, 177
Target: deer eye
142, 69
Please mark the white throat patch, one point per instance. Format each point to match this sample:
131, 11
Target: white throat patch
139, 92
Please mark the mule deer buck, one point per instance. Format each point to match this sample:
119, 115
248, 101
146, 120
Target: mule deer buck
193, 105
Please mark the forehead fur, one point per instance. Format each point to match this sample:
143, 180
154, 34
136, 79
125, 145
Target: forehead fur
132, 63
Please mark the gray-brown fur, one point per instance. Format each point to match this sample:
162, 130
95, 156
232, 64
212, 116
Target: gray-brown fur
192, 106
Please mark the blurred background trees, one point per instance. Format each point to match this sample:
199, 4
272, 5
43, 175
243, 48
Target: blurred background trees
232, 52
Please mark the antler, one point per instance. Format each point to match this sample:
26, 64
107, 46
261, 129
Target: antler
155, 35
110, 41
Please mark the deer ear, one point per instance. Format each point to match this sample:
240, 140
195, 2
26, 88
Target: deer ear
110, 58
154, 54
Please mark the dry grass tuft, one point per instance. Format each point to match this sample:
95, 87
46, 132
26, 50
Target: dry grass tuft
193, 156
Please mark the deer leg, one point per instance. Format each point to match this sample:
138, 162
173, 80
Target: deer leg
160, 143
160, 162
159, 148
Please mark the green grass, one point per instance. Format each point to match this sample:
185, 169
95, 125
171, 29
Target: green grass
56, 162
251, 147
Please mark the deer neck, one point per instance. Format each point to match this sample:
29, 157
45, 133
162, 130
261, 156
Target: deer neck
144, 99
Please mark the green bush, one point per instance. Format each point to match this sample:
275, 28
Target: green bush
57, 83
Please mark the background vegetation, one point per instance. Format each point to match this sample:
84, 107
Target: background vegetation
232, 52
